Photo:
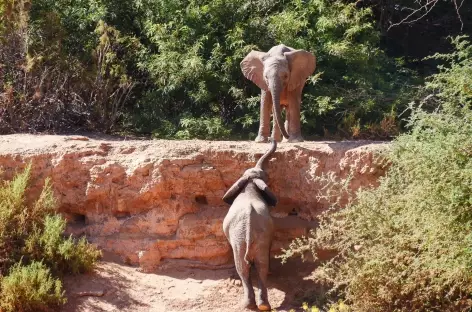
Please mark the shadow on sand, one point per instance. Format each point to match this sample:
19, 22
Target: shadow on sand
286, 282
112, 282
289, 278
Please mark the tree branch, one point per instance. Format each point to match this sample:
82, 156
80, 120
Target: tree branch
457, 11
425, 6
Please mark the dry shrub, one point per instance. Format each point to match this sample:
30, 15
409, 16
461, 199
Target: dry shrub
30, 288
44, 88
33, 249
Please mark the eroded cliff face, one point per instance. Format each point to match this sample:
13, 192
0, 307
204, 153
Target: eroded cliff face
154, 201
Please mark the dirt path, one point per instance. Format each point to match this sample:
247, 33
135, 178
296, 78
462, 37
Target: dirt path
180, 289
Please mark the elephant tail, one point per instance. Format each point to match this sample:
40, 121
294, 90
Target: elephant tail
248, 235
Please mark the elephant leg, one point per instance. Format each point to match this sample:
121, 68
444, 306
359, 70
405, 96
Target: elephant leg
287, 123
276, 134
295, 100
244, 269
266, 107
262, 268
269, 272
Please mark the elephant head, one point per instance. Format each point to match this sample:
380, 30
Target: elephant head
256, 175
280, 68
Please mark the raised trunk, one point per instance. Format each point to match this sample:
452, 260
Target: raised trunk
261, 163
275, 89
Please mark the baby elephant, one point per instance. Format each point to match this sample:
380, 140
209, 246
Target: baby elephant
249, 228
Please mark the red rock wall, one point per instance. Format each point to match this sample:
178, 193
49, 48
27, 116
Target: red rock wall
157, 200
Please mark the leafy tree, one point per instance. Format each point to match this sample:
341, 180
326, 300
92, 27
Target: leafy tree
150, 66
199, 45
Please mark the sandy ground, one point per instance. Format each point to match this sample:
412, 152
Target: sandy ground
27, 144
175, 289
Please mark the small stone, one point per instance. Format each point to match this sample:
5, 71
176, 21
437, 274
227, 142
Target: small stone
76, 138
91, 293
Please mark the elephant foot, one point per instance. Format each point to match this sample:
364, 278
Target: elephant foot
295, 139
249, 304
264, 307
261, 139
277, 138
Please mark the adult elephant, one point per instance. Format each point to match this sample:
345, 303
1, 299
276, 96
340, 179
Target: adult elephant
281, 74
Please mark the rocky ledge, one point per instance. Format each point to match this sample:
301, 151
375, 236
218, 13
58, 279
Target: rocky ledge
155, 200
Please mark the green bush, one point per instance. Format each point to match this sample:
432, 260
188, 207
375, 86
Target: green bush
407, 245
199, 46
59, 253
152, 66
202, 128
33, 248
30, 288
452, 86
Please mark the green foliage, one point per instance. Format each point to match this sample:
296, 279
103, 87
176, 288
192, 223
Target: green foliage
200, 45
60, 254
64, 67
17, 220
32, 247
30, 288
149, 66
354, 77
453, 84
202, 128
406, 245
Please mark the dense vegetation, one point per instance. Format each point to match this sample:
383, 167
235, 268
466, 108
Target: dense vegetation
171, 67
33, 250
406, 245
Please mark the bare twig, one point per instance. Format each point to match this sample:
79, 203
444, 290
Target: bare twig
457, 11
425, 6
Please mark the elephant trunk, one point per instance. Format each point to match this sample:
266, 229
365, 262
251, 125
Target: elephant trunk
275, 87
261, 162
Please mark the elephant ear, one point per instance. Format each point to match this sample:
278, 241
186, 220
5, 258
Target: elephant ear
234, 190
266, 192
253, 68
302, 64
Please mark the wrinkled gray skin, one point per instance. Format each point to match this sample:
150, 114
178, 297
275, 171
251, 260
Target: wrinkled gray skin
281, 74
248, 227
